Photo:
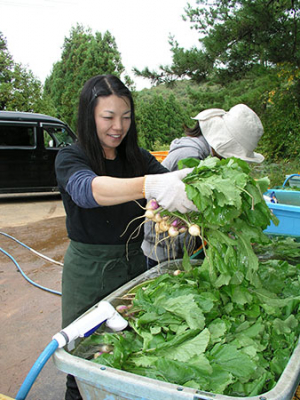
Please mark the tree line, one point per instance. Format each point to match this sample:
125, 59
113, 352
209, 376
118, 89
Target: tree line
248, 53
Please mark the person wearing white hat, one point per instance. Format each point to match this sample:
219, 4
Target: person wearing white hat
232, 134
219, 133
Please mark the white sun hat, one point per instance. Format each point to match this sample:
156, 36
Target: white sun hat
234, 133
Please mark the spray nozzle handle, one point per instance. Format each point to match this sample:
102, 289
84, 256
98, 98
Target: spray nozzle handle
87, 323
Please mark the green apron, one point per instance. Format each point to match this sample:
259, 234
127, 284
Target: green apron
92, 271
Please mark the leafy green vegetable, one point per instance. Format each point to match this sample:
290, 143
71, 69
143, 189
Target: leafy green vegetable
240, 344
230, 325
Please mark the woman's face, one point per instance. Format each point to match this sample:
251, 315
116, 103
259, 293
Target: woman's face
113, 119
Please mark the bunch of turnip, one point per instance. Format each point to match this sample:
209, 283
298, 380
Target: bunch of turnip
170, 223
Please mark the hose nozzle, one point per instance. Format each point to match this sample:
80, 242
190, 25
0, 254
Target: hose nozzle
87, 323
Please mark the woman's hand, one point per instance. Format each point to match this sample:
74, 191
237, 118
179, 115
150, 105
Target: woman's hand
169, 190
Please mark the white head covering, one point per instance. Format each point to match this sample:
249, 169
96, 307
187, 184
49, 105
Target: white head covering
234, 133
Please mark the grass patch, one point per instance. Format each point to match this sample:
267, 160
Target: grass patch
276, 171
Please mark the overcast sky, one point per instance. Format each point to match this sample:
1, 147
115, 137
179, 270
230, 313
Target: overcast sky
35, 30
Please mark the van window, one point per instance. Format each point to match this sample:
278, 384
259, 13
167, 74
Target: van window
29, 144
56, 136
16, 136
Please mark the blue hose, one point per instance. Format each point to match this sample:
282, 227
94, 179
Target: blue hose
29, 248
16, 240
26, 277
36, 369
290, 176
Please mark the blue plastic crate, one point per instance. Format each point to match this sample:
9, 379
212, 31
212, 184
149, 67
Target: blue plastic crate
287, 210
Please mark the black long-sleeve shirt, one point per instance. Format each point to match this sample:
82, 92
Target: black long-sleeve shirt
100, 224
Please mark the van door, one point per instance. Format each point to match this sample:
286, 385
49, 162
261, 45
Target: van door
18, 144
53, 137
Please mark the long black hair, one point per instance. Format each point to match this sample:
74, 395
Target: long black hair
193, 132
128, 150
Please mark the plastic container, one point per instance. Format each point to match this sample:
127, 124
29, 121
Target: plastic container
287, 210
293, 180
98, 382
160, 155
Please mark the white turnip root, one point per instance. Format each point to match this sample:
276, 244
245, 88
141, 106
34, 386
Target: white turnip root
152, 205
173, 231
149, 214
194, 230
122, 308
176, 222
182, 229
164, 226
105, 348
177, 272
157, 217
157, 229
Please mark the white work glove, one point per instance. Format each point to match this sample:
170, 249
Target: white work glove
169, 190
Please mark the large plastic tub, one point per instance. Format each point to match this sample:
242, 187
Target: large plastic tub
98, 382
287, 210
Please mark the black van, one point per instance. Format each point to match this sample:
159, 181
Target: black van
29, 144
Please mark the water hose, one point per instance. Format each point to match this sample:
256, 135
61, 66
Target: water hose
29, 248
290, 176
83, 326
36, 369
26, 277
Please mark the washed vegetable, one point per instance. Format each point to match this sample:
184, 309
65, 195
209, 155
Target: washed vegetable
235, 340
232, 213
229, 325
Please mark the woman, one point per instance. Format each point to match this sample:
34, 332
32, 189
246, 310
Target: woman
217, 133
104, 181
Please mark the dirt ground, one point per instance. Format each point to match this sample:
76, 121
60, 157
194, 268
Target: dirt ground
30, 316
